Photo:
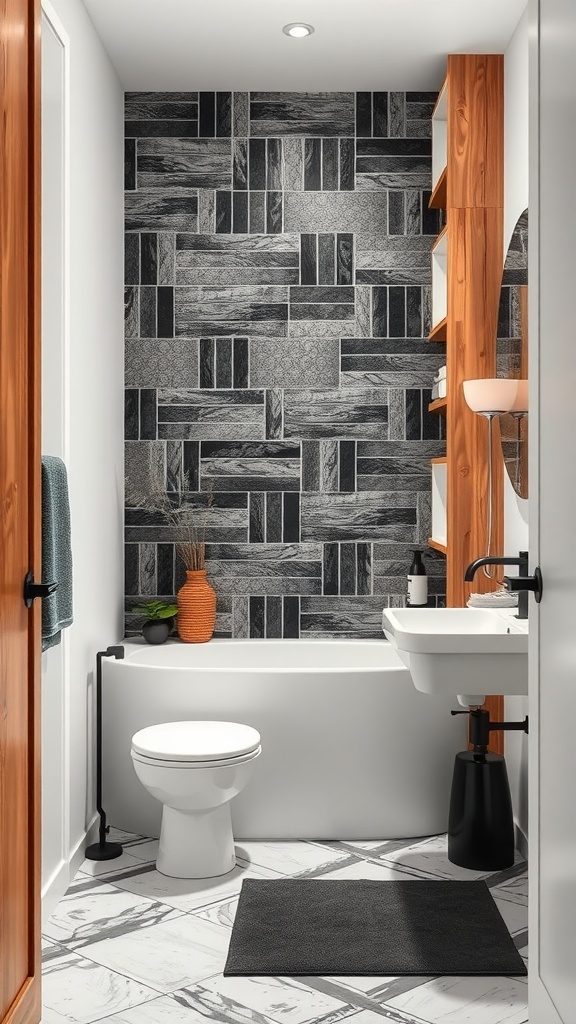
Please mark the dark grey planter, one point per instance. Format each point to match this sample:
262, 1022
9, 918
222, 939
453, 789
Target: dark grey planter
156, 631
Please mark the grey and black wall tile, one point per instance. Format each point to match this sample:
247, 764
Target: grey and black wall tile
277, 302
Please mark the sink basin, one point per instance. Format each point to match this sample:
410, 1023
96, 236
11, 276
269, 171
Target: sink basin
471, 652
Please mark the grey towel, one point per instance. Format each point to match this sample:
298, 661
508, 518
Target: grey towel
56, 550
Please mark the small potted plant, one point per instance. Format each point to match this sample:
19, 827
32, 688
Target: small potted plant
159, 620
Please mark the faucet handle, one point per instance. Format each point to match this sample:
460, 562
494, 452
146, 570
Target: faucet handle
532, 583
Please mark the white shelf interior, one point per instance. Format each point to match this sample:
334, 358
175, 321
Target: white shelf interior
439, 502
440, 135
440, 280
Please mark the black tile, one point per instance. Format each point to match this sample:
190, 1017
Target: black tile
240, 164
291, 526
207, 369
224, 115
413, 414
148, 258
223, 213
312, 165
257, 626
347, 465
274, 211
308, 268
131, 258
347, 160
274, 164
165, 312
414, 312
397, 312
131, 414
326, 259
223, 362
396, 217
191, 464
148, 414
291, 618
257, 203
397, 147
148, 312
165, 569
256, 529
207, 125
329, 165
363, 568
162, 129
273, 517
431, 219
240, 213
348, 569
345, 259
153, 108
129, 164
240, 363
131, 569
257, 164
273, 618
380, 114
330, 569
379, 312
363, 114
431, 421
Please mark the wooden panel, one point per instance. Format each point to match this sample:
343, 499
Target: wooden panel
474, 272
20, 510
475, 130
437, 200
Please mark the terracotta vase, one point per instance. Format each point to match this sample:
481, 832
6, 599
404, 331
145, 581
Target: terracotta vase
196, 602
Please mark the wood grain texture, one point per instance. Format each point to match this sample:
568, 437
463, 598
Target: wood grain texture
20, 511
475, 130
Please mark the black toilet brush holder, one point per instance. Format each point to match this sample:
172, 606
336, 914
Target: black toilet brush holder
480, 821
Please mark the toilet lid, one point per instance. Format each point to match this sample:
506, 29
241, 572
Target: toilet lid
196, 741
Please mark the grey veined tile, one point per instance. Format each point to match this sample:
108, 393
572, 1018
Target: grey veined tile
335, 211
169, 209
184, 163
360, 412
301, 113
164, 363
298, 362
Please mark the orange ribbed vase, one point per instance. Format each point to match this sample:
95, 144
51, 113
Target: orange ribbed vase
196, 602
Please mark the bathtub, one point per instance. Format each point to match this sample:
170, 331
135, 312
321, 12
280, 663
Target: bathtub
350, 749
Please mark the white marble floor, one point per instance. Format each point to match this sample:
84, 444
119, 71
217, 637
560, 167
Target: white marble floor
127, 945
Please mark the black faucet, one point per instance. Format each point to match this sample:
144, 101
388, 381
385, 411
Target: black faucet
520, 583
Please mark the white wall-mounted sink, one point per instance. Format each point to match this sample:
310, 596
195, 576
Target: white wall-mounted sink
467, 651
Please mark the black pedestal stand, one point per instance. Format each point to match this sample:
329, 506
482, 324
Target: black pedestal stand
102, 850
480, 823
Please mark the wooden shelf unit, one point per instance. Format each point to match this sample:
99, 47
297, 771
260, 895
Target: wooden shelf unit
471, 192
437, 545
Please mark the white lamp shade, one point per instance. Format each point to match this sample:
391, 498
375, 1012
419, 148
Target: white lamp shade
495, 395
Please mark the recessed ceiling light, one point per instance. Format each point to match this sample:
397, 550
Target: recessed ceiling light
298, 29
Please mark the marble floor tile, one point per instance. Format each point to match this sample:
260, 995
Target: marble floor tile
369, 869
101, 868
287, 858
178, 951
429, 857
515, 890
285, 1000
102, 912
178, 1008
145, 850
515, 914
189, 894
77, 991
459, 1000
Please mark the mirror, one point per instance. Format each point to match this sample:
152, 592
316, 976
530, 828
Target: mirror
512, 352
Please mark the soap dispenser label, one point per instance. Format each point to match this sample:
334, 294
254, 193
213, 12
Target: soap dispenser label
417, 590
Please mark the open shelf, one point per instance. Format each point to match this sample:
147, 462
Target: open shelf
439, 285
438, 405
440, 146
437, 545
438, 333
439, 501
437, 200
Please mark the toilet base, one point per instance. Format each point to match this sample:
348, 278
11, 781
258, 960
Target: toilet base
196, 844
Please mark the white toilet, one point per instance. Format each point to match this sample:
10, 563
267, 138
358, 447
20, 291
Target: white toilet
195, 769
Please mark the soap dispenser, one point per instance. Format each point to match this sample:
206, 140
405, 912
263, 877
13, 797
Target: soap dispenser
417, 582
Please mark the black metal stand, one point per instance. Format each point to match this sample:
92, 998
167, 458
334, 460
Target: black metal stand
481, 824
102, 850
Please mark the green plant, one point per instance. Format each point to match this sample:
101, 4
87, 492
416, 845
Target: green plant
157, 610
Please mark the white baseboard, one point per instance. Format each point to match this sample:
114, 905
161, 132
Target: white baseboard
60, 879
521, 840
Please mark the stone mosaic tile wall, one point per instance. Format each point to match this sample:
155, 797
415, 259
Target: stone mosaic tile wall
277, 304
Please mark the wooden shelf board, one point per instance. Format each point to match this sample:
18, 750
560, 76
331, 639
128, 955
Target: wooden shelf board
438, 405
438, 333
439, 238
437, 200
437, 546
440, 461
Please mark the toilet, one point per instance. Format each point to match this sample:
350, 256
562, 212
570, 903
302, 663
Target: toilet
195, 769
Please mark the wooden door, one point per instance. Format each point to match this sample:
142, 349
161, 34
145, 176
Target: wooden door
19, 512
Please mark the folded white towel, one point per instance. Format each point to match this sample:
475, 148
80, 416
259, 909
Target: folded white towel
495, 599
441, 375
439, 390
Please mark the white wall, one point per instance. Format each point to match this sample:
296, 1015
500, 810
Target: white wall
94, 405
515, 508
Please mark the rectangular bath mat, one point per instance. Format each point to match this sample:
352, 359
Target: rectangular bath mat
320, 927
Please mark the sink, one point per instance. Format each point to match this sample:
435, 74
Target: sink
472, 652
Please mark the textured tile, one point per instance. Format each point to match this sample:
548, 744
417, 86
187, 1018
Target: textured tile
342, 517
301, 113
315, 413
274, 362
334, 211
148, 210
240, 115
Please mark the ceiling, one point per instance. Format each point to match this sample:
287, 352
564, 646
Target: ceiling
175, 45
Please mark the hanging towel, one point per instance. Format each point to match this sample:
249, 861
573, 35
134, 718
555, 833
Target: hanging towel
56, 550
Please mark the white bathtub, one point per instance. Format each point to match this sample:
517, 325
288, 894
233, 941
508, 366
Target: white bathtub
350, 749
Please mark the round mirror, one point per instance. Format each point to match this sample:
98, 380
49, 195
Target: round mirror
512, 352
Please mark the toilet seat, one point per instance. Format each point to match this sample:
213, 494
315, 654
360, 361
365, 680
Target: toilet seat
196, 744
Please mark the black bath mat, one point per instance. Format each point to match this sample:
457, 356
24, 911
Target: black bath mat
314, 926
